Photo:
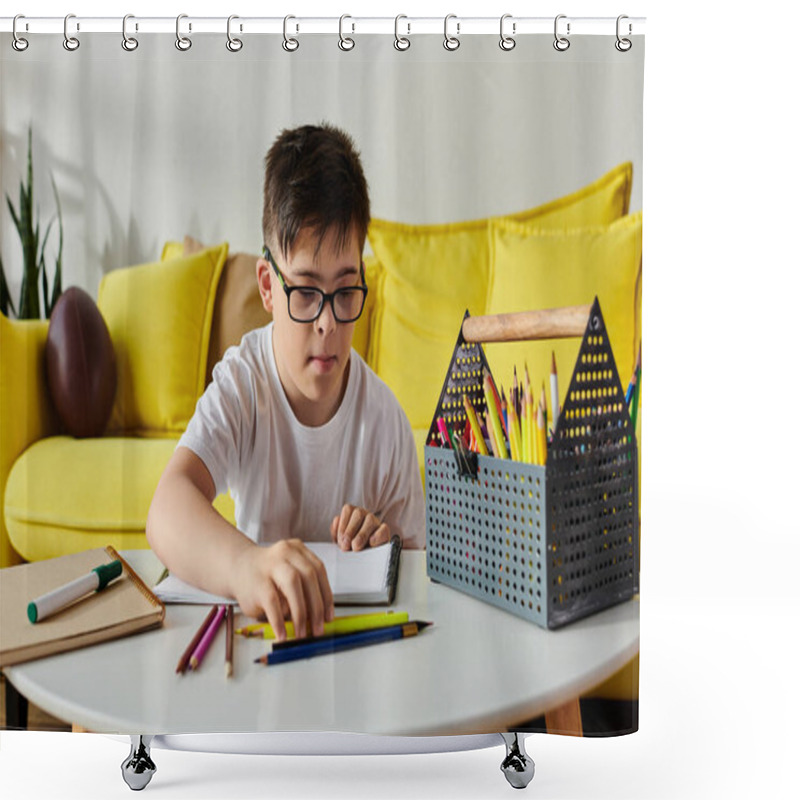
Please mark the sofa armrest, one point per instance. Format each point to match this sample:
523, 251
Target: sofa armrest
26, 411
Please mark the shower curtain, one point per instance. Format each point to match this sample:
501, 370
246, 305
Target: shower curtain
505, 176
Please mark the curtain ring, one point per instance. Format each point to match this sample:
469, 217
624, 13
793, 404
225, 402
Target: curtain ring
289, 44
561, 43
346, 43
18, 43
70, 42
129, 43
233, 44
623, 45
401, 42
183, 43
507, 42
451, 42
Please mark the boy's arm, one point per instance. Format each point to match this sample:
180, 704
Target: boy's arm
202, 548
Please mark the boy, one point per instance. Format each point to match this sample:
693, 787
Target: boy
309, 440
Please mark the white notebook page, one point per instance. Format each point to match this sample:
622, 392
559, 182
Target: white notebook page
353, 576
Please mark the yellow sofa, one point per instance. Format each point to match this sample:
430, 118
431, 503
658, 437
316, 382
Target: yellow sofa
63, 495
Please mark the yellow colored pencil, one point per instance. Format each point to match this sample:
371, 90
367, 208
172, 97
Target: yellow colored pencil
494, 417
542, 437
348, 624
475, 427
513, 430
526, 457
492, 440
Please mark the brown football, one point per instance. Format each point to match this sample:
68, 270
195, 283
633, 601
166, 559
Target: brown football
81, 368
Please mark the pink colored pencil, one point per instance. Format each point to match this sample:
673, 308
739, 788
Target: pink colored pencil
208, 637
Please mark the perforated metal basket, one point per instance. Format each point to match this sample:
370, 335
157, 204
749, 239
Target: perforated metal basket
550, 543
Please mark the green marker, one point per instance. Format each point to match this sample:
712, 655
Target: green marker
54, 601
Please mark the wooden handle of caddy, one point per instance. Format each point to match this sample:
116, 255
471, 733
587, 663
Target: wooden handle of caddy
548, 323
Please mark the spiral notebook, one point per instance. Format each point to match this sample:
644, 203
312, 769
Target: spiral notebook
125, 606
366, 577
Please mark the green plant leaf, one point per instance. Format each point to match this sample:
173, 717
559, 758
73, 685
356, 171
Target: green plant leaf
5, 294
14, 216
43, 269
57, 276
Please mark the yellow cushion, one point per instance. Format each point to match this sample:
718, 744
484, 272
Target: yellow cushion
159, 317
361, 333
111, 481
171, 250
432, 273
534, 269
26, 411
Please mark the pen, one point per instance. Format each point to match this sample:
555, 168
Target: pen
54, 601
337, 644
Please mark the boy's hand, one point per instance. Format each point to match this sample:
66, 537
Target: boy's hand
356, 528
285, 577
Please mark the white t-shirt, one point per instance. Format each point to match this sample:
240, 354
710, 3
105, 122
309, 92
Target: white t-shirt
290, 480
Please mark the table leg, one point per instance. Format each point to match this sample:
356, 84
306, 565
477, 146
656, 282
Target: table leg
517, 766
138, 768
565, 719
16, 708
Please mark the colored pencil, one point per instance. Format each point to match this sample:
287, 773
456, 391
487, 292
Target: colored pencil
514, 439
474, 426
490, 432
347, 624
543, 404
202, 646
531, 418
637, 393
229, 642
443, 435
554, 391
493, 413
187, 653
526, 456
339, 643
540, 424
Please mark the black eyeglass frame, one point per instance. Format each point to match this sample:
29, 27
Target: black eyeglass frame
326, 297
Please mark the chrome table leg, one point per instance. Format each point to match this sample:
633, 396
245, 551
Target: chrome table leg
138, 768
517, 766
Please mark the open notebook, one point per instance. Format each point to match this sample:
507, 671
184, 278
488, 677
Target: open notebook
366, 577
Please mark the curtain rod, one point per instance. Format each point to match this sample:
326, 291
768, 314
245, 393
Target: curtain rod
403, 25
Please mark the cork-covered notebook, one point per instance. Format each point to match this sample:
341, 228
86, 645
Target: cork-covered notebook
125, 606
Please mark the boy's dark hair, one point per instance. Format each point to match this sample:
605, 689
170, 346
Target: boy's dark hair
314, 178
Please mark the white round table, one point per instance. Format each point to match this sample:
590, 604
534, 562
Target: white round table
477, 669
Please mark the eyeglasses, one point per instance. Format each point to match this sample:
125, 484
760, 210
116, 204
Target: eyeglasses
306, 302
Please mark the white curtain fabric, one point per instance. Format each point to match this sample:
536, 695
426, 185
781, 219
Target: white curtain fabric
154, 144
151, 145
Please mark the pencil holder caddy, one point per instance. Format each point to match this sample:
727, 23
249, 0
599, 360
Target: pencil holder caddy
554, 543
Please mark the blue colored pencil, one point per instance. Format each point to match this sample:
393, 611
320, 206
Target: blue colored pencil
346, 641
